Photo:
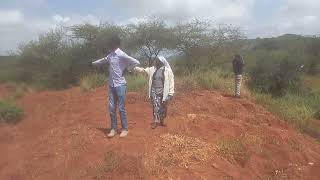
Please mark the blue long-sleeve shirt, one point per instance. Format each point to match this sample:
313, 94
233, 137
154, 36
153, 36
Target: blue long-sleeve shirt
118, 61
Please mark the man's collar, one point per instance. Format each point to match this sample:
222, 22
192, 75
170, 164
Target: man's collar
115, 52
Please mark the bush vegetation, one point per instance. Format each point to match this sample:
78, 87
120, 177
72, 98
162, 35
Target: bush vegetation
92, 80
283, 72
9, 112
137, 82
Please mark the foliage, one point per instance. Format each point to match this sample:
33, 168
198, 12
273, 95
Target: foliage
9, 112
150, 38
214, 78
60, 56
137, 82
299, 110
92, 80
276, 76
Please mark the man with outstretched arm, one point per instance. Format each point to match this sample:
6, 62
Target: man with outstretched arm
118, 62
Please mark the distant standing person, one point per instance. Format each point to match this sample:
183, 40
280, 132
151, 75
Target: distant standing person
238, 64
118, 62
161, 88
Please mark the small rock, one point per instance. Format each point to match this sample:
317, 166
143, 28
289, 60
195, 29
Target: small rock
311, 163
191, 116
214, 166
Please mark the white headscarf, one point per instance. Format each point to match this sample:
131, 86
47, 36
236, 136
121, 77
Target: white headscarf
164, 61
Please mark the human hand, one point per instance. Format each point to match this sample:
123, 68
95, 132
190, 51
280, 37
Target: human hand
168, 99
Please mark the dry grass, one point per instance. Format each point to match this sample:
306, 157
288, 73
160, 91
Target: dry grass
252, 139
180, 150
111, 162
233, 150
294, 145
92, 81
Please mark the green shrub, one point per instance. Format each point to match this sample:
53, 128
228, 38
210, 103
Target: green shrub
92, 81
137, 82
277, 77
209, 79
20, 89
296, 109
317, 115
9, 112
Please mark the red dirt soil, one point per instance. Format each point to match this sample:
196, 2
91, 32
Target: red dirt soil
63, 136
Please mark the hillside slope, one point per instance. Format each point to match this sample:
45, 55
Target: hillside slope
209, 136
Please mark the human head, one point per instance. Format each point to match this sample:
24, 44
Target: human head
158, 63
114, 42
237, 56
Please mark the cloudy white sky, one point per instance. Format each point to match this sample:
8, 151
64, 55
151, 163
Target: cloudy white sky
24, 20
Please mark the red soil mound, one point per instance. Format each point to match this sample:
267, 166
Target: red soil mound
208, 136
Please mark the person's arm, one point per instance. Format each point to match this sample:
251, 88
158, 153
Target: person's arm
100, 61
171, 86
131, 62
141, 70
242, 63
171, 83
234, 65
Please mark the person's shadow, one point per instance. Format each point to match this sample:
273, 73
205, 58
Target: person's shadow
105, 131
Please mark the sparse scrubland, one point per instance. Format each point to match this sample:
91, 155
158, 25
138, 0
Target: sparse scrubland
281, 73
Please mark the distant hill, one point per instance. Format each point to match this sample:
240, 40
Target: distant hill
284, 42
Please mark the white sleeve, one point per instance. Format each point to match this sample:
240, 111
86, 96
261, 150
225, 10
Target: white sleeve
100, 61
138, 69
171, 83
131, 62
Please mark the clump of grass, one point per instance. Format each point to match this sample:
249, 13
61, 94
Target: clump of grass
233, 150
296, 109
137, 82
92, 81
9, 112
20, 89
216, 79
111, 162
317, 115
294, 145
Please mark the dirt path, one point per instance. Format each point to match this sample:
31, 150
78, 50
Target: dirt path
209, 136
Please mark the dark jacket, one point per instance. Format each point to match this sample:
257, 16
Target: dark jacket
238, 64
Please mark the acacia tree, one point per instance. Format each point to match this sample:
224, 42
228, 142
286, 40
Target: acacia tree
201, 40
150, 38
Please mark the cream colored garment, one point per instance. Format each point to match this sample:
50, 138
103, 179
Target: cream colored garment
168, 89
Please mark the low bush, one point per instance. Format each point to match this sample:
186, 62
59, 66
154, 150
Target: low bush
299, 110
137, 82
317, 115
277, 77
9, 112
216, 79
92, 81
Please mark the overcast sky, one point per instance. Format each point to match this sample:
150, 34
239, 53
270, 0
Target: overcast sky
24, 20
